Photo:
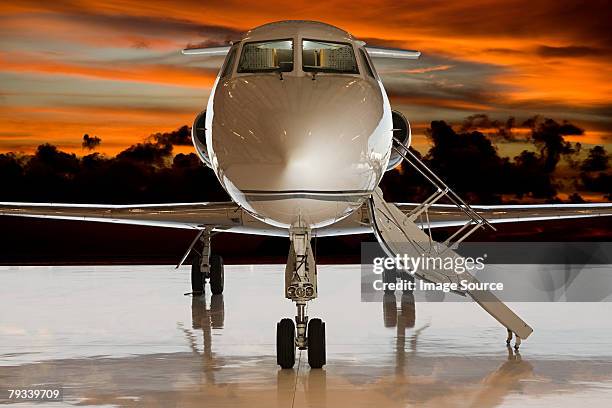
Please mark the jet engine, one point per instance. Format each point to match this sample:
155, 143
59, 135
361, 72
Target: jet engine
198, 134
401, 131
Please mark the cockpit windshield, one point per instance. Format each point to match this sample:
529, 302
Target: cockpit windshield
266, 56
325, 56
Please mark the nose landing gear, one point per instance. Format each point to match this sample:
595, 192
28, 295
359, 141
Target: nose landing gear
300, 287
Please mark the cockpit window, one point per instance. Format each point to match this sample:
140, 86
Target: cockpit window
326, 56
266, 56
229, 62
366, 63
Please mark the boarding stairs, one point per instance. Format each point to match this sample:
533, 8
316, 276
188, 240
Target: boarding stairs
399, 235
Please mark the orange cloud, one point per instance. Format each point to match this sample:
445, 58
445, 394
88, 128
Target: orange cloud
538, 54
26, 127
426, 70
440, 103
160, 74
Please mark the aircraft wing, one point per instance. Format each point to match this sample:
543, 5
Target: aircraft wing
441, 215
226, 216
208, 51
450, 216
374, 52
395, 53
230, 217
192, 215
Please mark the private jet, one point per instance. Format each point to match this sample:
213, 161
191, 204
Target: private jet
299, 131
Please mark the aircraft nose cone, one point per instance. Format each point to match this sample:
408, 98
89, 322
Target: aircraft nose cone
272, 135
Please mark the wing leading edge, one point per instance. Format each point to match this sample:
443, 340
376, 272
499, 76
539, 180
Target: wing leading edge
225, 216
189, 216
374, 52
207, 51
395, 53
450, 216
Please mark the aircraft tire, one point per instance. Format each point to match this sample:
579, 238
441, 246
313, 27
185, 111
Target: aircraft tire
316, 343
217, 274
197, 277
285, 343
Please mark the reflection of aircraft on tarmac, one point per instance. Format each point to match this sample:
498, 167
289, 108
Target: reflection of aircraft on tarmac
485, 387
221, 378
205, 319
413, 378
409, 367
299, 131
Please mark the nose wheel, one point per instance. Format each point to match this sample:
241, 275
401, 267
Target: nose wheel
285, 343
314, 343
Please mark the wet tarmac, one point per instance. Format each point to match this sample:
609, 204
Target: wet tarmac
128, 337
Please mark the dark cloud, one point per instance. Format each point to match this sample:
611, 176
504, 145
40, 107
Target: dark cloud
570, 51
156, 25
90, 142
491, 127
140, 45
166, 27
135, 22
153, 153
157, 149
547, 135
575, 198
13, 135
474, 87
586, 21
179, 137
600, 182
453, 88
466, 159
207, 44
470, 163
514, 84
144, 172
597, 160
510, 51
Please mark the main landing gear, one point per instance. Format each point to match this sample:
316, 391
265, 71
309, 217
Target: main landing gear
300, 287
206, 266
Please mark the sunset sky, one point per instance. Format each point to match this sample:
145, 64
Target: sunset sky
114, 69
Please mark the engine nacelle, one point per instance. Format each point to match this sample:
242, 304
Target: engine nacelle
198, 135
401, 131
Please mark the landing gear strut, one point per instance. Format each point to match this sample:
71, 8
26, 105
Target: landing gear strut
206, 266
300, 287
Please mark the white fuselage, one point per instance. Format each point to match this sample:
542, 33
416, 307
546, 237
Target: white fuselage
299, 149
